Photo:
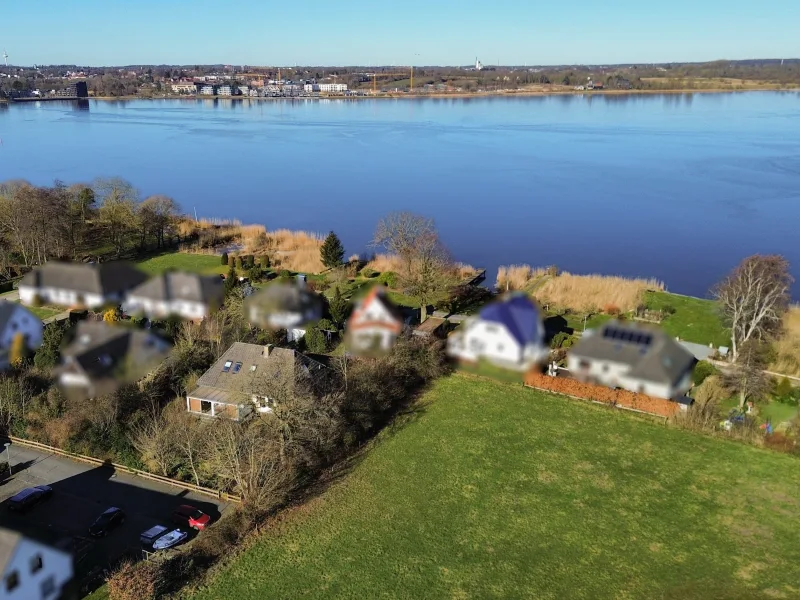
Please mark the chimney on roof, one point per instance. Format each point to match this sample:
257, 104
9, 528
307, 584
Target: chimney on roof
267, 350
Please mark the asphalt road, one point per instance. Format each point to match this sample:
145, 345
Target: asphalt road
80, 493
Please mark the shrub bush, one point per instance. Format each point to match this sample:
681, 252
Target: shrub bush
711, 391
388, 278
239, 263
367, 272
136, 581
702, 371
668, 310
264, 261
231, 261
599, 393
249, 261
316, 341
224, 258
284, 274
558, 340
254, 273
611, 309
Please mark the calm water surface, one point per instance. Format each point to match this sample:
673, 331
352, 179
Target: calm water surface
678, 187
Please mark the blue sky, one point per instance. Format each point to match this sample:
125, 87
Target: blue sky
386, 32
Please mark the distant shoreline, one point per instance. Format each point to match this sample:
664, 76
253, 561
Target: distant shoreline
460, 95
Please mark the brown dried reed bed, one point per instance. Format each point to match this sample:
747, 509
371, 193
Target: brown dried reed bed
517, 277
383, 263
787, 348
292, 250
590, 293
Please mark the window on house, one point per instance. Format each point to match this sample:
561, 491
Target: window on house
237, 367
605, 368
36, 563
584, 364
499, 347
12, 581
227, 366
205, 406
48, 586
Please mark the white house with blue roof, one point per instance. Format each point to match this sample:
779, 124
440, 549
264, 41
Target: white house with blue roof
508, 333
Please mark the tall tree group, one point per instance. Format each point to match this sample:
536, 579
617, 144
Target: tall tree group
39, 223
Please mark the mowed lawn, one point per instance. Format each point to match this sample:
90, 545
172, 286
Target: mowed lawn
204, 264
497, 491
695, 319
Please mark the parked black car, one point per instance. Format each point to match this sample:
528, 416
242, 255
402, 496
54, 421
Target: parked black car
111, 518
29, 497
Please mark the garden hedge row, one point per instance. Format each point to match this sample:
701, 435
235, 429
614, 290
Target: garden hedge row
600, 393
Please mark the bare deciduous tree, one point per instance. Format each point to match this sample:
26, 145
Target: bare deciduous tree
118, 209
154, 439
189, 435
244, 456
427, 266
754, 298
748, 378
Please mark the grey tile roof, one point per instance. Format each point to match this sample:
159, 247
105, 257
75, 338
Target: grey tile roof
102, 351
658, 357
105, 278
182, 286
280, 297
217, 380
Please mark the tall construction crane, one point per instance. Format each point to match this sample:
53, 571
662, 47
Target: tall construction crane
376, 75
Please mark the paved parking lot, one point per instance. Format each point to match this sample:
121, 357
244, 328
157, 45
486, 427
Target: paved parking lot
80, 493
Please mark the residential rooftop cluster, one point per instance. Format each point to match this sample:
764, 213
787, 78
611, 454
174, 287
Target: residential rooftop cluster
257, 88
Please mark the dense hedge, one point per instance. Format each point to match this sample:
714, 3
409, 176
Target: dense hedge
600, 393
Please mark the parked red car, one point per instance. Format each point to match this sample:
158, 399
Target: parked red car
191, 516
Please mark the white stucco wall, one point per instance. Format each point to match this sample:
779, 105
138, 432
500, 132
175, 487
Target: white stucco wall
366, 338
159, 309
613, 374
55, 572
63, 297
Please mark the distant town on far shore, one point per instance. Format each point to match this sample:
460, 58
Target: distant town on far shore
39, 82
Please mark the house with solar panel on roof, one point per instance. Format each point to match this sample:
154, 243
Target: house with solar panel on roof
633, 357
508, 333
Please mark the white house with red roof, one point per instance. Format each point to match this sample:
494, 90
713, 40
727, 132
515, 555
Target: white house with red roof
374, 324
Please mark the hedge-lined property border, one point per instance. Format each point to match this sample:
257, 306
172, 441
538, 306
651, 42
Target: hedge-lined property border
598, 393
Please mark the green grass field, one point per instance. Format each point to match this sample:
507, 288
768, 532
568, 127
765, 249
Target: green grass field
205, 264
497, 491
45, 312
695, 319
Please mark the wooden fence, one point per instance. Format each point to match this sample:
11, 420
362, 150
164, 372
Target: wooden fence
218, 494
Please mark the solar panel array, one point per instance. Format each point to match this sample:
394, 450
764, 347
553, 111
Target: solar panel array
628, 335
